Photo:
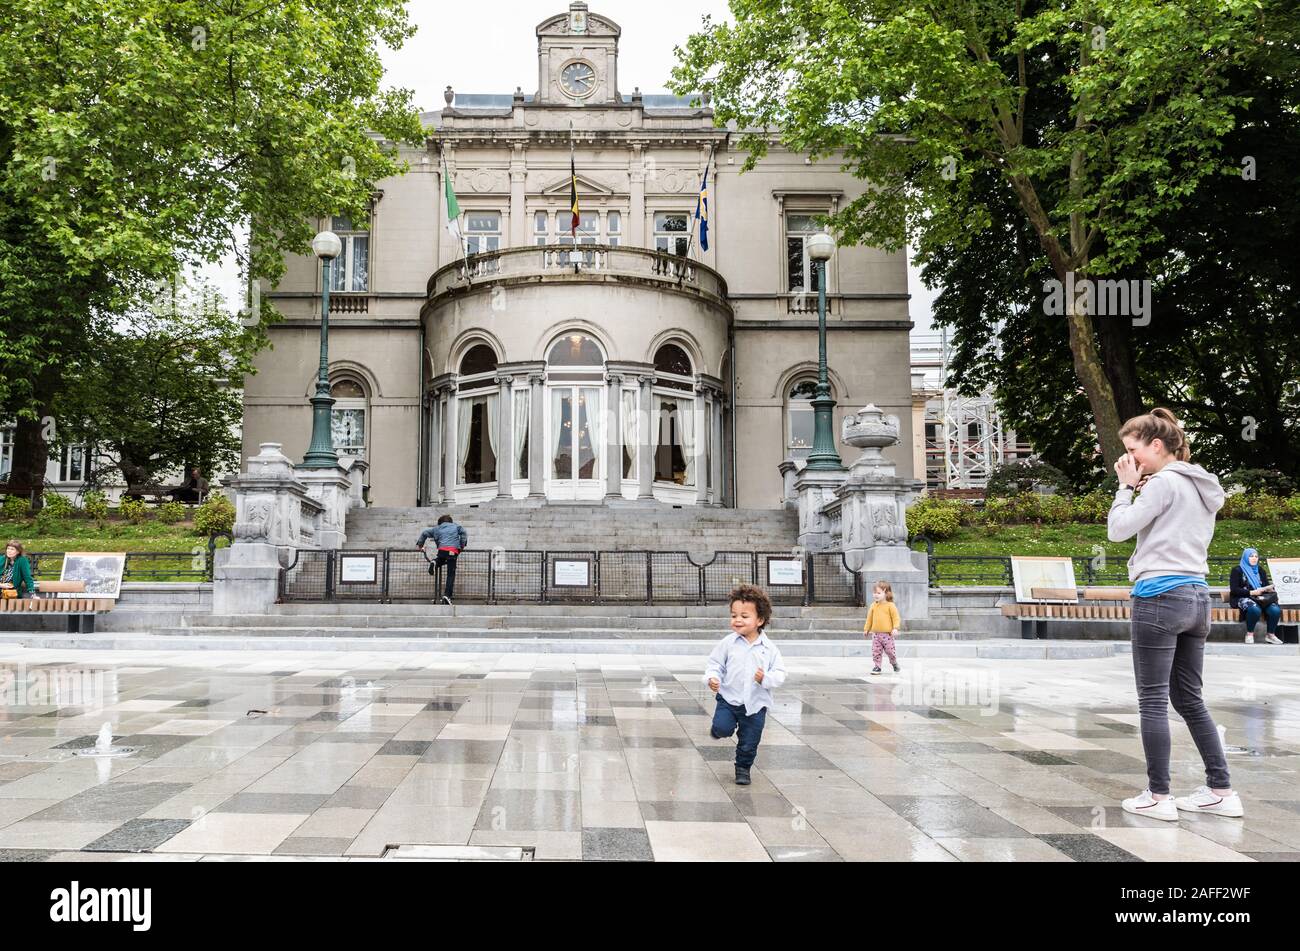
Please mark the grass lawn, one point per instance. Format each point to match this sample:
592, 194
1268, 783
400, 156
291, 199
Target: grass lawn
1276, 539
84, 534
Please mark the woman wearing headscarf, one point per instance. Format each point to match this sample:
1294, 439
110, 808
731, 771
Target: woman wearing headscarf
1253, 594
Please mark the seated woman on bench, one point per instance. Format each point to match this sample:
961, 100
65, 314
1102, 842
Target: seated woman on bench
1253, 594
15, 573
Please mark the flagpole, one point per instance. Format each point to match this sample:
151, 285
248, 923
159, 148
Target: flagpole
690, 242
464, 255
573, 183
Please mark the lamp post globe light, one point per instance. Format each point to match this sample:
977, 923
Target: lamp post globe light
321, 453
823, 456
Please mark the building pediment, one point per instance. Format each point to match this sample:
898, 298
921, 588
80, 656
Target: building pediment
586, 186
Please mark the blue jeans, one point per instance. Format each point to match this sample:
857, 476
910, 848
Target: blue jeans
1169, 632
731, 718
1252, 612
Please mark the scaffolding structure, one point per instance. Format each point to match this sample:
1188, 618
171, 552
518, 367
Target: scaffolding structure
965, 439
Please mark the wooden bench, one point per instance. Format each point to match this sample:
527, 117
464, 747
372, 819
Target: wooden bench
80, 612
1112, 604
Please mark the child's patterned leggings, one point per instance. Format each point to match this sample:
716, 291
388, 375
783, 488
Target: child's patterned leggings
883, 643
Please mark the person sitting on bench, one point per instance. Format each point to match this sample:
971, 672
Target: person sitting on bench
193, 489
1253, 594
16, 573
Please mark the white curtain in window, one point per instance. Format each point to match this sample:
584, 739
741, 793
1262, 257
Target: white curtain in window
523, 410
493, 405
687, 416
560, 435
463, 417
630, 431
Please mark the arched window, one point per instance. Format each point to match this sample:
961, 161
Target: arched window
575, 378
479, 359
349, 417
477, 420
799, 419
576, 350
675, 419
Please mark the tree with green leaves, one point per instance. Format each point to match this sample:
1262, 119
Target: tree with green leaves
140, 138
163, 389
921, 100
1226, 297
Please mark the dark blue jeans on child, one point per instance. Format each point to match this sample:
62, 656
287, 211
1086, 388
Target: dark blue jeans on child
731, 718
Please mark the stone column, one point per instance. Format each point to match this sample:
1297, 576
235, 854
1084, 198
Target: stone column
645, 452
716, 462
636, 212
875, 514
519, 225
613, 426
537, 438
505, 439
449, 445
701, 422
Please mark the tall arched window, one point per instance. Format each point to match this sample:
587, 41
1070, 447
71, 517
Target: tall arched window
674, 425
349, 417
799, 425
476, 418
576, 379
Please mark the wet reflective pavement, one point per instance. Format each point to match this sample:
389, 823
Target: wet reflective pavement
346, 756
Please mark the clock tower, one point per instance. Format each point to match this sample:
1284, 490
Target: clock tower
577, 58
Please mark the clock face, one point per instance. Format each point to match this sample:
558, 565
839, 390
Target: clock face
578, 79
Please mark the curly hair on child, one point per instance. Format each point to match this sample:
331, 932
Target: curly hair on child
752, 594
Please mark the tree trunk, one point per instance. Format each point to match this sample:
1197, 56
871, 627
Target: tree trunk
31, 448
1096, 385
1115, 343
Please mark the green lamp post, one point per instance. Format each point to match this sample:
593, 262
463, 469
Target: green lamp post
321, 453
823, 456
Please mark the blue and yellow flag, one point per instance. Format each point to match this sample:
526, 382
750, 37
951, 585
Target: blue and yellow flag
702, 210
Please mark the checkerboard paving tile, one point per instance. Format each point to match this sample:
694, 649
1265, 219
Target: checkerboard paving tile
329, 756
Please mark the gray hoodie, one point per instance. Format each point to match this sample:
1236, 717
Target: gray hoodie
1173, 518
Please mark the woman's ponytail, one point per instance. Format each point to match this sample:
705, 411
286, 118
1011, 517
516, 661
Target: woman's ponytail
1160, 424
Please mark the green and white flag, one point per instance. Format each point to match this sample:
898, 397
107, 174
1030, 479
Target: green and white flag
453, 210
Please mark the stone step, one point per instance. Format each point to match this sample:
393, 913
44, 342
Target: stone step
632, 625
913, 654
523, 633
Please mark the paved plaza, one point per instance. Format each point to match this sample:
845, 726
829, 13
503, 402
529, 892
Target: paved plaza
359, 756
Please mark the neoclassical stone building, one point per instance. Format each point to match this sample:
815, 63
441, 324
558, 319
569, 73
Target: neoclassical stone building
634, 366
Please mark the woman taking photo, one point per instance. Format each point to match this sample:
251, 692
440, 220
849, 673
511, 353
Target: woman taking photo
1173, 518
1252, 593
15, 573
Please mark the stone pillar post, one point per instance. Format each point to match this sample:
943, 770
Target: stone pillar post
874, 506
701, 460
646, 436
537, 448
273, 515
506, 439
519, 225
613, 429
636, 210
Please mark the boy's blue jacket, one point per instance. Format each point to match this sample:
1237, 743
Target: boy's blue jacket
448, 535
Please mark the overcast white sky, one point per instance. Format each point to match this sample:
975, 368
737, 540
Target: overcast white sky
488, 46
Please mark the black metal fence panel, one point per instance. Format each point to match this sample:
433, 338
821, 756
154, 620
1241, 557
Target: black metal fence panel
568, 577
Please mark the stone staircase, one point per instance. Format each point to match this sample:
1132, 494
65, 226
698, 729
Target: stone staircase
521, 526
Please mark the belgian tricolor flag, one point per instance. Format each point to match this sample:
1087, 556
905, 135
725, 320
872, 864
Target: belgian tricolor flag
573, 198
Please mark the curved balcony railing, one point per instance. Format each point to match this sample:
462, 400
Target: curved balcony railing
593, 260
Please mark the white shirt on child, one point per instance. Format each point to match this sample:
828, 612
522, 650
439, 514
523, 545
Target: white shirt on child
734, 661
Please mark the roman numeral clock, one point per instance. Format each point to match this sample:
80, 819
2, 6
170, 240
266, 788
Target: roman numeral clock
578, 80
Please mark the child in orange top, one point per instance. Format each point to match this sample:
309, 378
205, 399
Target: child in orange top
882, 624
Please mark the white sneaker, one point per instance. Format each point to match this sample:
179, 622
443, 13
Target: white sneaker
1250, 638
1272, 638
1205, 801
1146, 805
